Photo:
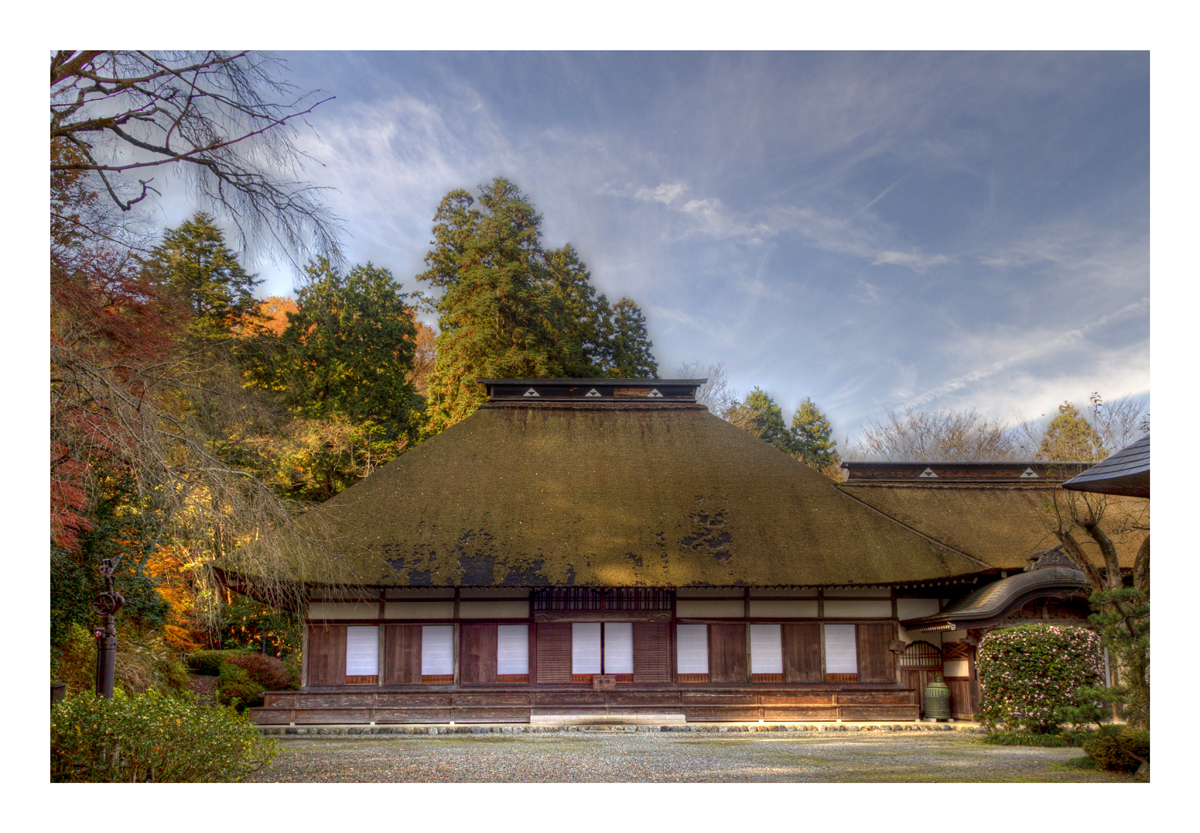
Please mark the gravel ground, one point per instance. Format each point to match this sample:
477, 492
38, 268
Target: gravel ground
607, 756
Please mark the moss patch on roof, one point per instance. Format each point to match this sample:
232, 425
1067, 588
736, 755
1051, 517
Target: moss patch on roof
660, 497
1001, 525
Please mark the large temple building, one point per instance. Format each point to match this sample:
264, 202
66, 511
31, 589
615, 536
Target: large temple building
604, 546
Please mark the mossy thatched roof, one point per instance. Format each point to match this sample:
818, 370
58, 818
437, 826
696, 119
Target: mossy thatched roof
1003, 526
663, 496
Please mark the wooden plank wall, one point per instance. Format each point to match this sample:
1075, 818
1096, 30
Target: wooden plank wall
477, 657
327, 655
802, 661
727, 660
401, 654
554, 652
652, 652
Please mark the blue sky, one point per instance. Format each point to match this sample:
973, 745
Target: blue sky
871, 230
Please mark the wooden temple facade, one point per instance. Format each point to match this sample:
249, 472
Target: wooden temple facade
601, 547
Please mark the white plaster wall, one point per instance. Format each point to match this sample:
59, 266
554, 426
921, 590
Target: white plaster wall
912, 608
343, 610
955, 668
494, 610
421, 595
783, 609
685, 608
492, 593
857, 592
418, 610
864, 609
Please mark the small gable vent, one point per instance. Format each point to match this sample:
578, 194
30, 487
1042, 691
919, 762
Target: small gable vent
654, 394
1029, 473
531, 392
592, 393
928, 473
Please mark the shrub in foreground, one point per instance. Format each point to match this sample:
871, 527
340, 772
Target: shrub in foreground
1028, 673
149, 737
1121, 750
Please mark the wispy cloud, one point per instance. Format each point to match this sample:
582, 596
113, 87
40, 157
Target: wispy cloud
664, 193
1042, 349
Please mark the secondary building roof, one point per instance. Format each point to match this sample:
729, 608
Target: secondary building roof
1125, 473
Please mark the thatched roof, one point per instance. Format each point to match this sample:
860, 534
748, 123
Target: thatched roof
662, 495
1002, 526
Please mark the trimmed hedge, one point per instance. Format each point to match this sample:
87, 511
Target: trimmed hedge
149, 737
1028, 673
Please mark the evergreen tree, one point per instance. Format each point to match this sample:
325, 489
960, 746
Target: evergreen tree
194, 266
348, 349
759, 415
510, 309
811, 436
629, 352
1070, 437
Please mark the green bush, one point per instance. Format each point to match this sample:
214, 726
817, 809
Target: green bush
1028, 673
208, 663
268, 672
1119, 750
237, 689
149, 737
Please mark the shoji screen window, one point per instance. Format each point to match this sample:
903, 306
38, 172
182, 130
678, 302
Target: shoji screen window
618, 650
586, 659
691, 651
766, 653
841, 654
362, 655
437, 654
512, 654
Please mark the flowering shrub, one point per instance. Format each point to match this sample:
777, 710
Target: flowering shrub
149, 737
1027, 673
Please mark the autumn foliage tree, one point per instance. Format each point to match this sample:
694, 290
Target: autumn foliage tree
143, 426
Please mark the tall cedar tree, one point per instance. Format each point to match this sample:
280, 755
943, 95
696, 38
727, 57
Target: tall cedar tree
193, 266
812, 435
510, 309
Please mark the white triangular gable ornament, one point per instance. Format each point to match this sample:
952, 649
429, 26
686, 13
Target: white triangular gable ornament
654, 394
592, 392
1029, 473
928, 473
532, 392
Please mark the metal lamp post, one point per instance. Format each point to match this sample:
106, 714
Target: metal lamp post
106, 605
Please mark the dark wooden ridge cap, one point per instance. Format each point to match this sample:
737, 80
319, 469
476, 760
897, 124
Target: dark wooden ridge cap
592, 392
935, 474
1127, 472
